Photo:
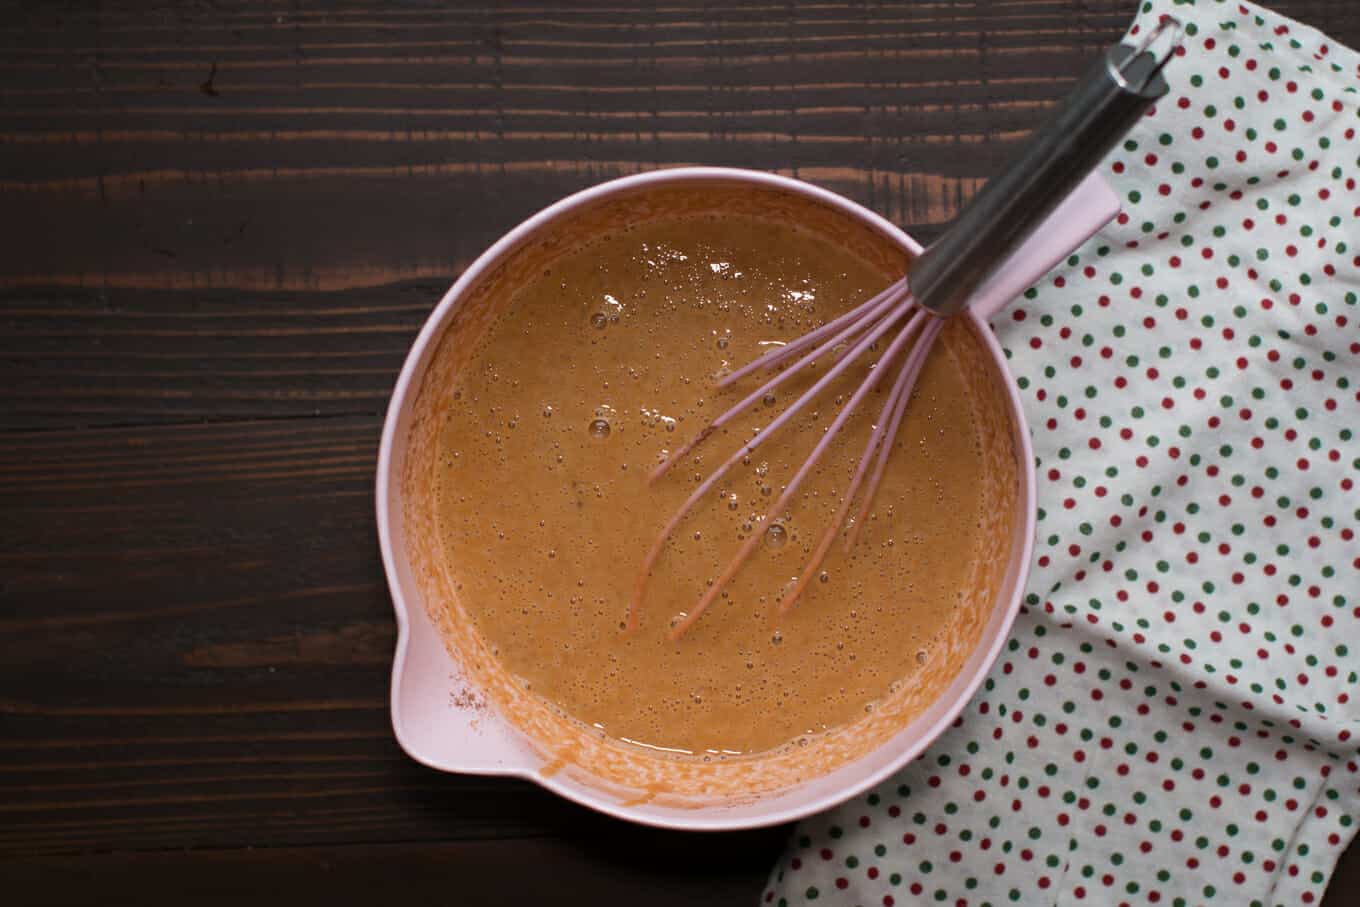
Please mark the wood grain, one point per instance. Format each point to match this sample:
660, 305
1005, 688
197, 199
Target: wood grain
647, 868
72, 356
227, 221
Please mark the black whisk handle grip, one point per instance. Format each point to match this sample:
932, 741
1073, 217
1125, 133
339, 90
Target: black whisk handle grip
1097, 114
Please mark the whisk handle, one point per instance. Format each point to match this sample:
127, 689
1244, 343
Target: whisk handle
1099, 111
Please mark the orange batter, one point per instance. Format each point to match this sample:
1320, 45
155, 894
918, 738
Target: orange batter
594, 371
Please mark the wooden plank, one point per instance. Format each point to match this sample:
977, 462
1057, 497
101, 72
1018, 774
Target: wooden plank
71, 357
647, 867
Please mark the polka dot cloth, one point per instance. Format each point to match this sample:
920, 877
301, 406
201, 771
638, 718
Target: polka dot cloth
1172, 721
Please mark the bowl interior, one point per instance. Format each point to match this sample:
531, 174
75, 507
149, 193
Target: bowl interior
454, 709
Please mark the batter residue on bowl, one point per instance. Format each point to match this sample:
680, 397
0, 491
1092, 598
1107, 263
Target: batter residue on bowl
592, 372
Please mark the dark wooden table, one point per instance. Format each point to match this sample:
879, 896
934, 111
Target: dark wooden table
223, 224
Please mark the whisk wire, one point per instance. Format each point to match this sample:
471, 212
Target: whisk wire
883, 325
790, 491
867, 320
911, 372
855, 316
878, 449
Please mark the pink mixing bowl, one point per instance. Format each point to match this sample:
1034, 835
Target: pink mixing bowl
443, 722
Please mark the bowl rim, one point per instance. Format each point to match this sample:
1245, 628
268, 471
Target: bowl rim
403, 396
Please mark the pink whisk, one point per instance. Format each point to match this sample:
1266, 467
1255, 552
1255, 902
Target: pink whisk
1098, 113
